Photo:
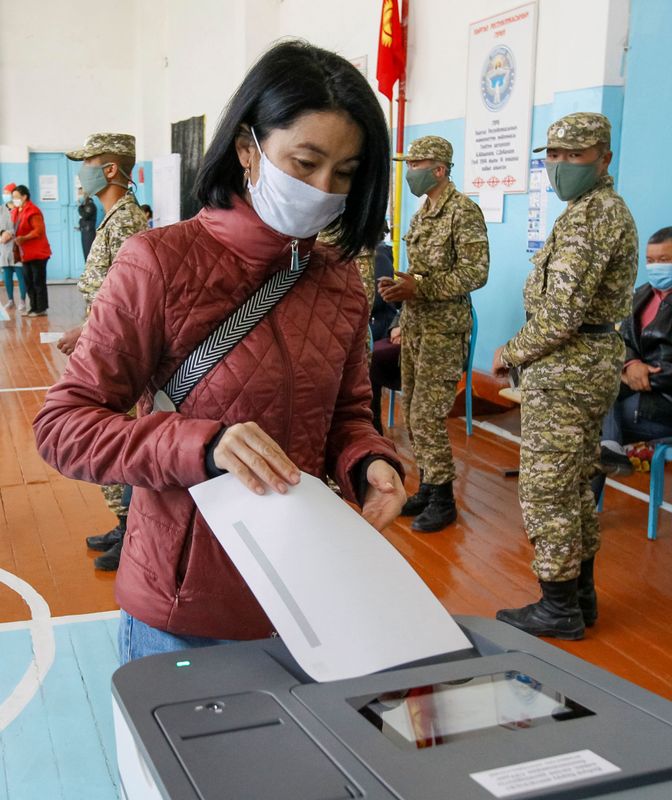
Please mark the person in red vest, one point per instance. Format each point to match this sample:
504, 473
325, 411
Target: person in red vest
30, 238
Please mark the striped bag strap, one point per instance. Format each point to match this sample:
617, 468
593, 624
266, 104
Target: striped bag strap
226, 336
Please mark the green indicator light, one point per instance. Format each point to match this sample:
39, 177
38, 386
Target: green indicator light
183, 663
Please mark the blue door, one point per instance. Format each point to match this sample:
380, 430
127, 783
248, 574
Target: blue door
54, 191
76, 197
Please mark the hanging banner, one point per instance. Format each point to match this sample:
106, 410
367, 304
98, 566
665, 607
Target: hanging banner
500, 86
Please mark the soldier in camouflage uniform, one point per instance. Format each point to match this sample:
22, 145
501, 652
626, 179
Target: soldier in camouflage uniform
108, 159
447, 246
571, 357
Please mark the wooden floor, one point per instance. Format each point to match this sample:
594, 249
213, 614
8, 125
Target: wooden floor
478, 565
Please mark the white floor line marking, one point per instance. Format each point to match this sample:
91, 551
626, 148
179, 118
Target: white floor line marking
44, 649
26, 389
511, 437
68, 619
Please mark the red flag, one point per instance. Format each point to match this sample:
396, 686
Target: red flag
391, 55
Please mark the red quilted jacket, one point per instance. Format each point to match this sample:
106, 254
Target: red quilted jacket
301, 374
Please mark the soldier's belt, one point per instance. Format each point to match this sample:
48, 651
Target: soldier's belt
604, 327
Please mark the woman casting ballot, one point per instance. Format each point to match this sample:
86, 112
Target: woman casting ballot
301, 147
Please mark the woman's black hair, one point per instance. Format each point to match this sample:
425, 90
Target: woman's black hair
24, 191
291, 79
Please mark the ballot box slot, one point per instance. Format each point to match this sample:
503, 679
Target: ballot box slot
419, 717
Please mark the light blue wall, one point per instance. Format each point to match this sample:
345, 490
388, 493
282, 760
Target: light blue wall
645, 162
14, 173
18, 173
499, 304
144, 191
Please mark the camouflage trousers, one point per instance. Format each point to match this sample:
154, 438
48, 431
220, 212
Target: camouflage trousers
560, 433
112, 495
431, 366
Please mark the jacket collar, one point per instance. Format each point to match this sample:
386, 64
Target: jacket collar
124, 200
242, 232
433, 211
27, 209
605, 181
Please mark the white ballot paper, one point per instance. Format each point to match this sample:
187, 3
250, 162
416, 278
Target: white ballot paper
49, 337
344, 601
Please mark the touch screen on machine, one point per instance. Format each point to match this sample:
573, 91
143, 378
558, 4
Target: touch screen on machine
429, 716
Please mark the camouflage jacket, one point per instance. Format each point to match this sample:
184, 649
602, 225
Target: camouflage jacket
447, 246
366, 263
123, 220
584, 274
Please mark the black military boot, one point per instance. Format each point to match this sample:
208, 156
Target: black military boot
104, 541
109, 561
557, 614
440, 511
586, 593
417, 502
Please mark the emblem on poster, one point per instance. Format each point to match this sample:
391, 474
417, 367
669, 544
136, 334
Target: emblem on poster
498, 77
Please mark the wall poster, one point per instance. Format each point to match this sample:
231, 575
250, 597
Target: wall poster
500, 94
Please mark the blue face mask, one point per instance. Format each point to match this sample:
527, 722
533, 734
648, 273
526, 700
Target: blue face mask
660, 276
93, 180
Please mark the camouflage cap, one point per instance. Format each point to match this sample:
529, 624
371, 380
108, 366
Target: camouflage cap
121, 144
578, 132
435, 148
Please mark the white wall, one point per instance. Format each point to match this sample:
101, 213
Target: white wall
66, 70
138, 65
574, 44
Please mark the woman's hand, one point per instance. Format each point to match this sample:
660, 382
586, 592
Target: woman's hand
255, 459
66, 344
385, 494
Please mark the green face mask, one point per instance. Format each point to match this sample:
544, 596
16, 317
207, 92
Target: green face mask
420, 181
570, 181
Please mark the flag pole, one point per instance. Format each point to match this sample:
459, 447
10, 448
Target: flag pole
401, 116
391, 190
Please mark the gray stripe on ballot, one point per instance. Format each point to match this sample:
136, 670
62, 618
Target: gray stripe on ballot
278, 584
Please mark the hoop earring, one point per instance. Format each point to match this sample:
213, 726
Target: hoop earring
246, 174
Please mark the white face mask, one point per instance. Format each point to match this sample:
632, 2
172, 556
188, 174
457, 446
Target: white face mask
289, 205
18, 202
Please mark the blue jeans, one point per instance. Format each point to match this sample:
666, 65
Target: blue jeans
622, 425
9, 281
137, 640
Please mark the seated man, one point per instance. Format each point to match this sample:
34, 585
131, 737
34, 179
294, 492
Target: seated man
643, 409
